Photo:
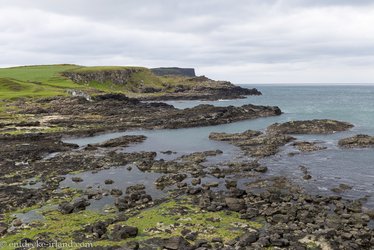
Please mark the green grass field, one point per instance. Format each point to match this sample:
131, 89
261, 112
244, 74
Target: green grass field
47, 80
35, 81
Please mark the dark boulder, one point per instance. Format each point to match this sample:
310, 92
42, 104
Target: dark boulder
124, 232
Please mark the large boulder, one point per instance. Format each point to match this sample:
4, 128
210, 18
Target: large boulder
235, 204
124, 232
176, 243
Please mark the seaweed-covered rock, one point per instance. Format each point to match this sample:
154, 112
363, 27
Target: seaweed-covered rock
305, 146
255, 143
357, 141
316, 126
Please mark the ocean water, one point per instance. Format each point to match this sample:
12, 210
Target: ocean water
329, 167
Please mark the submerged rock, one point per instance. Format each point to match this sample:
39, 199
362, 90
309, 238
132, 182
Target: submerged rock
357, 141
305, 146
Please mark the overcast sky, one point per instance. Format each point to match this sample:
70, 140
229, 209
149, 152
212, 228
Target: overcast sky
244, 41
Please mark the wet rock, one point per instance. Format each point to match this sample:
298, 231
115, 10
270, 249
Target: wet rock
168, 152
22, 147
123, 141
93, 194
212, 184
76, 179
135, 196
176, 243
108, 182
182, 185
234, 137
124, 232
316, 126
193, 190
76, 206
90, 147
341, 188
170, 179
357, 141
231, 184
116, 192
98, 229
196, 181
261, 169
307, 177
305, 171
17, 223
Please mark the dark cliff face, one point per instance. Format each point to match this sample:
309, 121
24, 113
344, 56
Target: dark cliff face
174, 71
102, 76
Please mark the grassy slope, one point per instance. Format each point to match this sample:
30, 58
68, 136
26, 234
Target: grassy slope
46, 80
34, 81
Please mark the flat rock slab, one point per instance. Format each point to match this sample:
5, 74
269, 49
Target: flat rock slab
316, 126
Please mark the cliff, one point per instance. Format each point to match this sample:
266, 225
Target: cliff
174, 71
158, 84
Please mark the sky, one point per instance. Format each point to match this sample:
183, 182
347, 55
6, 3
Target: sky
243, 41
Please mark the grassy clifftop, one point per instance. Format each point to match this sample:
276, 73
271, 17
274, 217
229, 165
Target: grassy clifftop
140, 82
48, 80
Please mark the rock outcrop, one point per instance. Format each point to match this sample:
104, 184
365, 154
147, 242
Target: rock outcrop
357, 141
316, 126
254, 143
118, 76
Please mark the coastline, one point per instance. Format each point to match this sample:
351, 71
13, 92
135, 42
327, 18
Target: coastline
263, 216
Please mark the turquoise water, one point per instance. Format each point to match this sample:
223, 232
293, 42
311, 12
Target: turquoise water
329, 168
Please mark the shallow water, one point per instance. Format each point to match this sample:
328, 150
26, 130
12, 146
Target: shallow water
122, 178
329, 168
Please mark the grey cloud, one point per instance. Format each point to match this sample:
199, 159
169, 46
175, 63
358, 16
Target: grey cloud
242, 41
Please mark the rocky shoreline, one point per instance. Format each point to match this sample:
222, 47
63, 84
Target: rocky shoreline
173, 84
116, 112
205, 205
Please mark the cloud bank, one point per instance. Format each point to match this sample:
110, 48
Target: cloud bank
258, 41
